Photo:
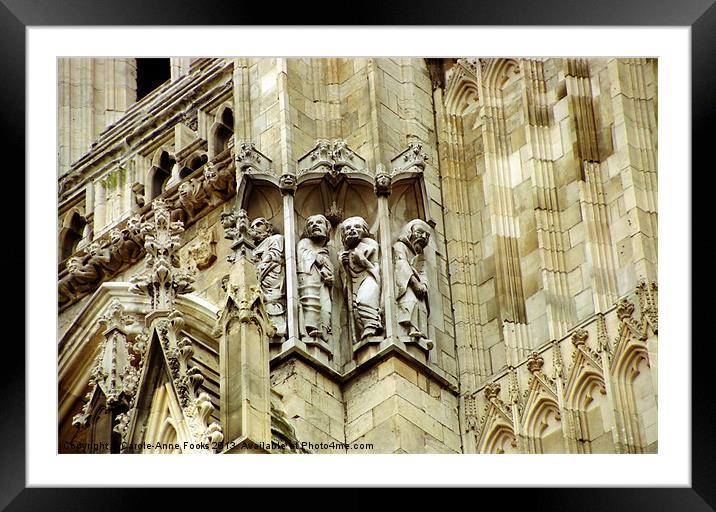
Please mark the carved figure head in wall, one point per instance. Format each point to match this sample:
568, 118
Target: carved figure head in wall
417, 232
353, 231
74, 264
383, 183
261, 229
115, 236
184, 191
317, 228
211, 174
287, 183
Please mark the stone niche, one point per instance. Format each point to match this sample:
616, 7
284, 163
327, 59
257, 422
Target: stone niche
391, 283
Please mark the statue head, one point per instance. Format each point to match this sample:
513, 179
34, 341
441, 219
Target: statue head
317, 228
115, 236
184, 189
353, 230
74, 264
261, 229
210, 174
417, 232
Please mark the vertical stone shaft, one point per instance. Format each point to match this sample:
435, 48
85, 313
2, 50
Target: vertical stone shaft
505, 225
591, 191
244, 363
284, 117
377, 160
242, 101
386, 261
460, 255
551, 236
289, 233
635, 115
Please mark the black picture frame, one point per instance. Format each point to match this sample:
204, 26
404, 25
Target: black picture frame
17, 15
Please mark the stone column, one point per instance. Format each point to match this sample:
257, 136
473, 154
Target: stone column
100, 198
288, 188
383, 188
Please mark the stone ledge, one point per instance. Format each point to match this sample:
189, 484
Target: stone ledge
295, 348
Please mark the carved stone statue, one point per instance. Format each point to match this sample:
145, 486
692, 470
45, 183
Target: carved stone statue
411, 285
361, 263
191, 199
218, 185
270, 265
81, 277
315, 278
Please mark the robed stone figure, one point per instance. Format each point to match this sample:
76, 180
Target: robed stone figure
360, 259
411, 285
315, 278
270, 265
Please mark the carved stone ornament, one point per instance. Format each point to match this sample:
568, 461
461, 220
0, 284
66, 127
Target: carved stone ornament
190, 120
334, 214
114, 374
579, 337
288, 184
413, 159
535, 362
162, 279
649, 304
250, 160
360, 260
238, 230
332, 158
383, 184
492, 390
464, 68
202, 253
219, 181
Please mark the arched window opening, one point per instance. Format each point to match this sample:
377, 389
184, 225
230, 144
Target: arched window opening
71, 234
159, 173
222, 131
193, 163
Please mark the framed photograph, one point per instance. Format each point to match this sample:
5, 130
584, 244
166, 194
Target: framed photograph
428, 254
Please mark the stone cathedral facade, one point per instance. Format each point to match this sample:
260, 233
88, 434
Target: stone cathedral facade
373, 255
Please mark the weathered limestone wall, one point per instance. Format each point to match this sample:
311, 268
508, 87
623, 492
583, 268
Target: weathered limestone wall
397, 409
313, 404
540, 181
92, 94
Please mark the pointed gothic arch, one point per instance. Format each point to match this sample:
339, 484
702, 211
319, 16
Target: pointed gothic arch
159, 173
543, 426
71, 232
500, 439
221, 131
586, 403
634, 385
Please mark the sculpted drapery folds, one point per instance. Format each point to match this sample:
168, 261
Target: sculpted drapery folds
315, 278
360, 259
270, 265
411, 285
